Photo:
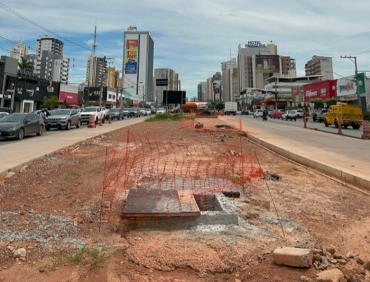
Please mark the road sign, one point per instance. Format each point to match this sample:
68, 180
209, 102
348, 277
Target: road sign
161, 82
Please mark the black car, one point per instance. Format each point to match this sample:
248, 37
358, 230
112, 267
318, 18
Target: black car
6, 110
116, 113
19, 125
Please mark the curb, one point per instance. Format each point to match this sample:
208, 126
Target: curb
334, 172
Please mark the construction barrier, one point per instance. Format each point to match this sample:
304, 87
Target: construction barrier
91, 122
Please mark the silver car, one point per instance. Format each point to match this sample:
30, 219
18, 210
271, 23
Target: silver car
63, 118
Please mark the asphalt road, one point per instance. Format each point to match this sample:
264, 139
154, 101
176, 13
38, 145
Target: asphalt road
315, 125
346, 154
55, 132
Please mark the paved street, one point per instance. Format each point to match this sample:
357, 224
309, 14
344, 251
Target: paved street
316, 125
346, 154
15, 152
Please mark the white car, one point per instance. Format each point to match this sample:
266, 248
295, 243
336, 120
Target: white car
97, 112
148, 112
258, 113
161, 111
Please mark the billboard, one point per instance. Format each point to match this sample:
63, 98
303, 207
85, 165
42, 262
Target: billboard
174, 97
268, 63
324, 90
346, 86
131, 56
68, 94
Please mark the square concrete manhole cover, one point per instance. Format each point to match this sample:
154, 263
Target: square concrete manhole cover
141, 203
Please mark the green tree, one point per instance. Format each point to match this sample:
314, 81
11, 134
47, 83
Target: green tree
219, 106
319, 103
51, 102
25, 65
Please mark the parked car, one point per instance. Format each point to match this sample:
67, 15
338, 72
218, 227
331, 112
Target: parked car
19, 125
6, 110
63, 118
148, 112
97, 112
291, 115
319, 115
3, 114
299, 113
245, 112
276, 114
133, 112
116, 113
269, 112
142, 112
161, 111
258, 113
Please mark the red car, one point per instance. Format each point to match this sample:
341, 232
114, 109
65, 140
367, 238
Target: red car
276, 114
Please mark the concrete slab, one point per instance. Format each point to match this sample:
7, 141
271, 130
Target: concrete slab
156, 203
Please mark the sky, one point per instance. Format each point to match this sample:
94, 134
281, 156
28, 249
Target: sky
193, 37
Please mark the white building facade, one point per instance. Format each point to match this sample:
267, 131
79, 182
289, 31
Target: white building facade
138, 56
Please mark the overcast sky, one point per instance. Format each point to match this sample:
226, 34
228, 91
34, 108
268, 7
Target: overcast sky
193, 37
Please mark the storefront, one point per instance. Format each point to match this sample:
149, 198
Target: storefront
68, 95
324, 90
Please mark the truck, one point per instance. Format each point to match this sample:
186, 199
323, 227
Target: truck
97, 112
344, 114
231, 108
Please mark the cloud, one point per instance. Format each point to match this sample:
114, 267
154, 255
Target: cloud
193, 37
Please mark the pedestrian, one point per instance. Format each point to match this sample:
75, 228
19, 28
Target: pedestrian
264, 114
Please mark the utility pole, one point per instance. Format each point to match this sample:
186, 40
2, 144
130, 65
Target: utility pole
354, 60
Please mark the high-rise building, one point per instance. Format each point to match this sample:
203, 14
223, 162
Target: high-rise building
112, 79
19, 50
53, 45
161, 77
96, 74
52, 67
51, 64
257, 62
245, 63
202, 91
230, 81
138, 55
319, 65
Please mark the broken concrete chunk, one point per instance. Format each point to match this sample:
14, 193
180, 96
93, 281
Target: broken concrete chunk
295, 257
20, 253
331, 275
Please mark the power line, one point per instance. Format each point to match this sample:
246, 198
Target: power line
15, 13
5, 49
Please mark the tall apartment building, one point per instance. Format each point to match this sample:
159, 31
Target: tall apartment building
245, 63
138, 56
51, 65
96, 71
230, 81
19, 50
202, 91
319, 65
257, 62
160, 77
112, 79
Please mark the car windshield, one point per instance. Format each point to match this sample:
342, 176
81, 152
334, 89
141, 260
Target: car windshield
114, 110
291, 112
90, 109
63, 112
13, 118
160, 109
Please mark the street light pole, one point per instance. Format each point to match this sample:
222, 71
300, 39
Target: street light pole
356, 74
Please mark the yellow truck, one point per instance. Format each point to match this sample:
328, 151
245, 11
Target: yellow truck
345, 115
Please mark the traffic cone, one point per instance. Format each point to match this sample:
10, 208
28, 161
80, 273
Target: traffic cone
109, 120
101, 122
91, 122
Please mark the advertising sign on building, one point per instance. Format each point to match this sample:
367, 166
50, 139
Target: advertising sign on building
325, 89
68, 94
268, 63
346, 86
131, 56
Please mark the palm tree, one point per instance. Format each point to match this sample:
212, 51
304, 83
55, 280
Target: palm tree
25, 65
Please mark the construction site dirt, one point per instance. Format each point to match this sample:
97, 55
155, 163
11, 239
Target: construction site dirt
67, 210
